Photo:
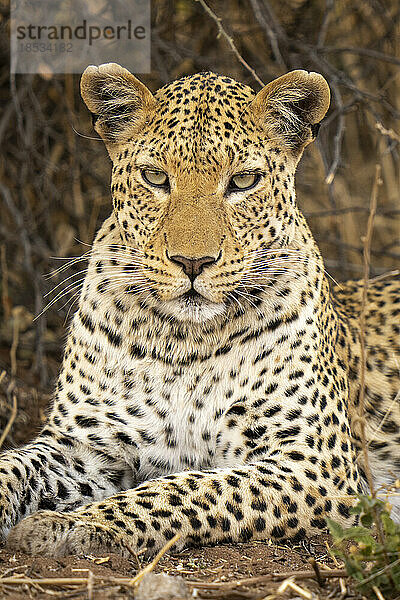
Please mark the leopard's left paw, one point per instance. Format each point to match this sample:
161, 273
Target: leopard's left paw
53, 534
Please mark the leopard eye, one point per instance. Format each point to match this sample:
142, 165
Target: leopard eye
156, 178
243, 182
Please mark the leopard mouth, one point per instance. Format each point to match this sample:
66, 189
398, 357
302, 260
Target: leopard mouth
192, 298
192, 306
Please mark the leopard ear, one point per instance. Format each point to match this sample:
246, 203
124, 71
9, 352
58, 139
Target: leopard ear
119, 102
291, 107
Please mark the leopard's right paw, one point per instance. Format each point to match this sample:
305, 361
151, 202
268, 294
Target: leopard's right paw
44, 533
54, 534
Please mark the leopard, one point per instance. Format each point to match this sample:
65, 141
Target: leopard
214, 381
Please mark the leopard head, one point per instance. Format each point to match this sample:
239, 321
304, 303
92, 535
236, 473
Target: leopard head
203, 178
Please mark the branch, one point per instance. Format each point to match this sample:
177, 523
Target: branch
273, 40
222, 32
365, 283
361, 52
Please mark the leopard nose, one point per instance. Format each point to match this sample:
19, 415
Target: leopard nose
193, 266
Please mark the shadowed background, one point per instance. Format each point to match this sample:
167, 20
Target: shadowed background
54, 177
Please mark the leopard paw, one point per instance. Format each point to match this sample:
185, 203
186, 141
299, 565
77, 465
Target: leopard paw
53, 534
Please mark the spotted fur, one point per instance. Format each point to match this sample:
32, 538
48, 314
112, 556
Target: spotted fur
211, 379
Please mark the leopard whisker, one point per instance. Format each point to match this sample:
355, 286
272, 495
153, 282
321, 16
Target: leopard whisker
70, 261
247, 297
70, 288
74, 299
105, 272
233, 297
63, 281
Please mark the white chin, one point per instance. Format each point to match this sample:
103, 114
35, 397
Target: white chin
195, 311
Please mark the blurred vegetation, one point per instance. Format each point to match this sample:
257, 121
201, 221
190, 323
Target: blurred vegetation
373, 559
54, 176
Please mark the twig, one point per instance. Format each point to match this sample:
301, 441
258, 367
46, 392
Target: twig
317, 571
58, 581
90, 585
388, 132
361, 52
10, 420
329, 180
338, 138
28, 262
329, 212
5, 298
134, 554
259, 580
270, 33
362, 420
325, 23
18, 218
16, 313
367, 260
222, 32
378, 593
380, 572
393, 273
337, 242
289, 583
155, 560
373, 435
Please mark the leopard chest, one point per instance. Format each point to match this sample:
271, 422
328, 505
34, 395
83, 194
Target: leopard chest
179, 414
172, 413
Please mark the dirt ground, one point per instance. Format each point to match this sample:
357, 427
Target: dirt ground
212, 565
220, 564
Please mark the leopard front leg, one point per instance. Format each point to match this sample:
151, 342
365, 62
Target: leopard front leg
55, 472
268, 500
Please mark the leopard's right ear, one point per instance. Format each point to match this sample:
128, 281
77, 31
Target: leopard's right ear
119, 102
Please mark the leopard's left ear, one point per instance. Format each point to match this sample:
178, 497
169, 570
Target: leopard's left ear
291, 107
119, 102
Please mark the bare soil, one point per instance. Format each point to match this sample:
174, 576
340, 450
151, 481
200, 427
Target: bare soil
208, 565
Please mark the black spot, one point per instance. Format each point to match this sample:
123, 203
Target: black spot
83, 421
62, 491
137, 351
86, 322
114, 338
289, 432
47, 504
343, 510
278, 532
85, 489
